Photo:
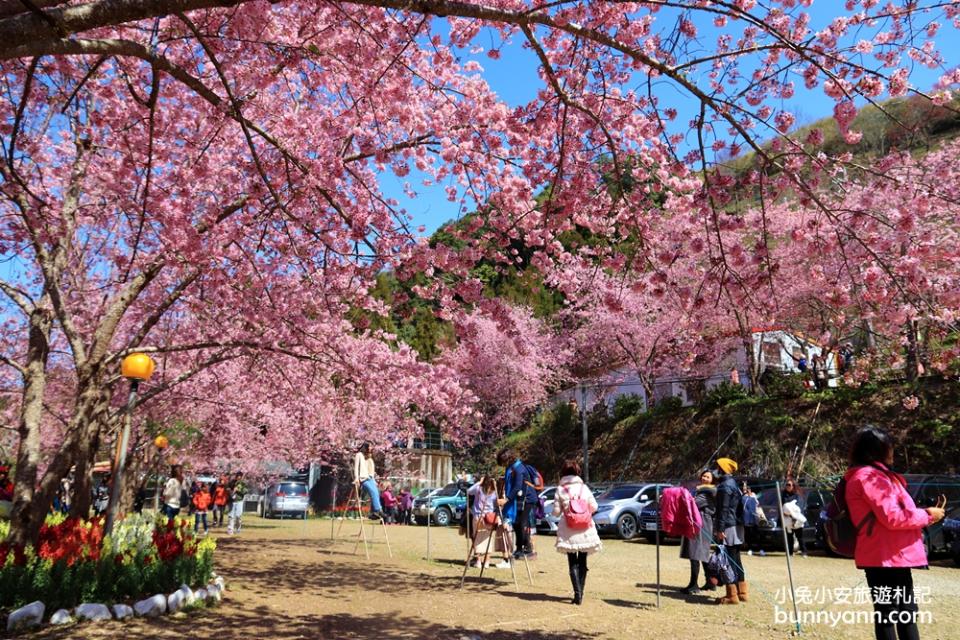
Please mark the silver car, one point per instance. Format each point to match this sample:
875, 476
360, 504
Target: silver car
618, 508
285, 498
548, 523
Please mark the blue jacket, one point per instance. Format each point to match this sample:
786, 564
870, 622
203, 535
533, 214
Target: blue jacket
750, 511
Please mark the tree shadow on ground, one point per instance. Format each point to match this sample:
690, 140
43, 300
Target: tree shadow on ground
534, 596
629, 604
674, 593
266, 623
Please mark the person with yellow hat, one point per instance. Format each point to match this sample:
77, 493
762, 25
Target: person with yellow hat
728, 528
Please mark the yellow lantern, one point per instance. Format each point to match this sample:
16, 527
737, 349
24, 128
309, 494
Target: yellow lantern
161, 442
137, 366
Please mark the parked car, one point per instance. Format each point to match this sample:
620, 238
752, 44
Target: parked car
548, 523
618, 508
925, 490
444, 507
285, 498
770, 535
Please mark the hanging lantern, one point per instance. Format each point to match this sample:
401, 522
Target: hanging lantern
161, 442
137, 366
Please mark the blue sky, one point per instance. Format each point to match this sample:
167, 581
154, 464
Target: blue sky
514, 78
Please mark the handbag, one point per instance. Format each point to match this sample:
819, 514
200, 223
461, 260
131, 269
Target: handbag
719, 571
490, 518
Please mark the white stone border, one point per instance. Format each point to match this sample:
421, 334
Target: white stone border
31, 616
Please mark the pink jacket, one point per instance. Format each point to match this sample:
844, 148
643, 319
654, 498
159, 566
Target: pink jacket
679, 514
894, 539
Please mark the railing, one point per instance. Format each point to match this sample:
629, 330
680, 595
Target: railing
432, 440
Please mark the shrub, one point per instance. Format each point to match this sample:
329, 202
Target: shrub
782, 385
722, 395
669, 405
73, 562
627, 405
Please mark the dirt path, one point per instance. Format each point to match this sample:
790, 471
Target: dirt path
288, 579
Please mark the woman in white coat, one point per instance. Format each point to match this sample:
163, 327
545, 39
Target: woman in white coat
576, 541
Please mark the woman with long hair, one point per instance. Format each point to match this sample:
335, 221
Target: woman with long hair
889, 532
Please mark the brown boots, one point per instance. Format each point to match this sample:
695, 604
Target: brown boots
736, 593
742, 591
731, 597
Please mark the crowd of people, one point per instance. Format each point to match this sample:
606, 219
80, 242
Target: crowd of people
501, 514
888, 538
222, 497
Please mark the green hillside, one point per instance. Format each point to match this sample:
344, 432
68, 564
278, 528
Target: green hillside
765, 434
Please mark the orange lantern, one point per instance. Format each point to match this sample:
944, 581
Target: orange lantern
161, 442
137, 366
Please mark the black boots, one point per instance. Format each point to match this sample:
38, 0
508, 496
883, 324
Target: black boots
578, 575
583, 579
577, 583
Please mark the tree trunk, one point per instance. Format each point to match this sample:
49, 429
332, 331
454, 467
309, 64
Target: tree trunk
913, 351
24, 519
83, 481
33, 500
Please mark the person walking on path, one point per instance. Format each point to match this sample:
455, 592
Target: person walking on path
221, 498
365, 477
573, 538
728, 529
406, 504
238, 491
697, 550
791, 494
889, 532
519, 499
101, 496
172, 491
201, 504
751, 519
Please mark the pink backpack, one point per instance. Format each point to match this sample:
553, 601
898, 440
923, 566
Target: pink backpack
577, 514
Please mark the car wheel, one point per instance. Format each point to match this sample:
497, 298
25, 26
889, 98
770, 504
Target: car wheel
442, 516
627, 526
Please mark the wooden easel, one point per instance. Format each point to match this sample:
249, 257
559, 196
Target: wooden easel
355, 500
500, 530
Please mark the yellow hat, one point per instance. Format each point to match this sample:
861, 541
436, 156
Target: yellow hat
728, 465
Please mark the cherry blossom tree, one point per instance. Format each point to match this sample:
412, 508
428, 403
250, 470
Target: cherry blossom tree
202, 179
508, 359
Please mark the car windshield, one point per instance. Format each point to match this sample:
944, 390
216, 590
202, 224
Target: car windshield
449, 490
425, 493
293, 489
620, 493
549, 494
768, 497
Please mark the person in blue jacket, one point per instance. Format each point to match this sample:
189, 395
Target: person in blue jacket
519, 499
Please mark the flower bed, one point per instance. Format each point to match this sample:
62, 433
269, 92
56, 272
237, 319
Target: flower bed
73, 562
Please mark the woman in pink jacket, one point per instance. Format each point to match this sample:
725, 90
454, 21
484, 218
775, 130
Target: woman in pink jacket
889, 538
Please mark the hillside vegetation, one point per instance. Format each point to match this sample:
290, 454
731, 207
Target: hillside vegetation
766, 435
